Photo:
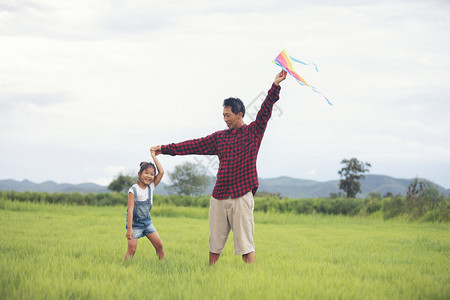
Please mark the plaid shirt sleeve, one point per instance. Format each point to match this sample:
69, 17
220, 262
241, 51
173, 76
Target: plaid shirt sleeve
201, 146
258, 126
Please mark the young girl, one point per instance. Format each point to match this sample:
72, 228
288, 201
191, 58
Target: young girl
140, 202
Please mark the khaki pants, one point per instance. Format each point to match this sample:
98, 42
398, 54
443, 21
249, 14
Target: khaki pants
236, 215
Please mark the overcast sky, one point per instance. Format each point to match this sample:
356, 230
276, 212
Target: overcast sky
87, 87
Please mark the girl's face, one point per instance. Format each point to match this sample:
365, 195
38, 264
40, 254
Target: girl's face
147, 176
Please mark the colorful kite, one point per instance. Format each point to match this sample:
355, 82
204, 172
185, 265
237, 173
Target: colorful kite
284, 60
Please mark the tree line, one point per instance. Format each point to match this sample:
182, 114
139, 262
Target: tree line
423, 202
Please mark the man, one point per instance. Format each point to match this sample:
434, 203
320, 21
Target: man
232, 203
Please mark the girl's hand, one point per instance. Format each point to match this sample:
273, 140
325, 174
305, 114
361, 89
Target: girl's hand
153, 154
157, 149
129, 234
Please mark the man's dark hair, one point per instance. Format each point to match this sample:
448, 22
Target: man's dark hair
236, 105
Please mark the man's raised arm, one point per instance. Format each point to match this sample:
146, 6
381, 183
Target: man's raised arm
265, 111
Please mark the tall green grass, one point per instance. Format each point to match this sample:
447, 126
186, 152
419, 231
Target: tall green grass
56, 251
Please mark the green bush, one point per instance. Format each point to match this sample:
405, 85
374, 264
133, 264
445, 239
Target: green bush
101, 199
422, 197
393, 207
427, 205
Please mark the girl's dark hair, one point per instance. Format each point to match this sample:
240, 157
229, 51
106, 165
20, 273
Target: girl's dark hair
144, 165
236, 104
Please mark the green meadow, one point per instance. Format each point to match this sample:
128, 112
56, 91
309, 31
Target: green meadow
51, 251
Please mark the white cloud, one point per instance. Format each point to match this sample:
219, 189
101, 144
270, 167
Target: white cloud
103, 181
312, 172
116, 170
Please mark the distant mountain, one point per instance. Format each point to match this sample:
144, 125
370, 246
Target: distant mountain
384, 184
286, 186
300, 188
51, 187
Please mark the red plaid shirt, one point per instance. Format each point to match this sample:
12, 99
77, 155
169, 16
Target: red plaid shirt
237, 151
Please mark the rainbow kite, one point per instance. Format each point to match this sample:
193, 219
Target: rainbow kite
284, 60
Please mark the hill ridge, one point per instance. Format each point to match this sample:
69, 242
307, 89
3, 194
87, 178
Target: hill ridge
285, 185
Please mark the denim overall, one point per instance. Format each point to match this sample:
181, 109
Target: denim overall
141, 213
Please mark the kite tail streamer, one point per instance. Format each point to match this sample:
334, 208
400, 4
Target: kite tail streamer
303, 63
284, 60
314, 89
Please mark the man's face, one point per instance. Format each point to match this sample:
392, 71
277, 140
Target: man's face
233, 121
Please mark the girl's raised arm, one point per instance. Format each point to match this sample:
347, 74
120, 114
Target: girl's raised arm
158, 167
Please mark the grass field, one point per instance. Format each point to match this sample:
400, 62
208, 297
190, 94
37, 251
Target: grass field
56, 251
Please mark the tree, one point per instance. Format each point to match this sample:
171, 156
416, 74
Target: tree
422, 196
122, 183
189, 179
352, 171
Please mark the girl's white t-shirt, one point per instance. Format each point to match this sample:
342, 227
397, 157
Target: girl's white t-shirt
142, 194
